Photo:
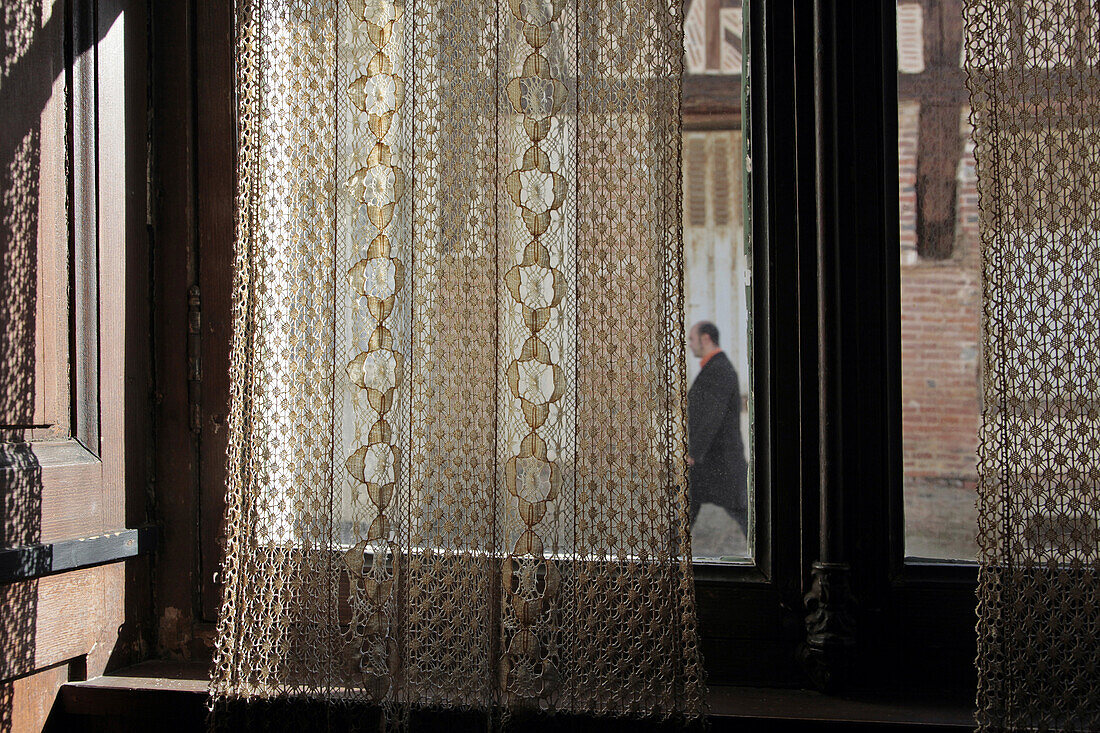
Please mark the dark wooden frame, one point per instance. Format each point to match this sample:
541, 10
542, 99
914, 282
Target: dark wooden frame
822, 123
193, 137
913, 622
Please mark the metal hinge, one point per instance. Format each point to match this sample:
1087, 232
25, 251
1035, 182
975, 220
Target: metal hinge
194, 357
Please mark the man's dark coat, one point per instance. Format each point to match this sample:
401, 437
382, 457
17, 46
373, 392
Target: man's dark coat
720, 473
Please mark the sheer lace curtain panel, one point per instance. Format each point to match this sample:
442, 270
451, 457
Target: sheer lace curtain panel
457, 448
1034, 78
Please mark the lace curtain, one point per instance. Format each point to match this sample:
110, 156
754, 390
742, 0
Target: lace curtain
1034, 78
457, 436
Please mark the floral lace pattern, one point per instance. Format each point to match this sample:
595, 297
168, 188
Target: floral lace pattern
457, 449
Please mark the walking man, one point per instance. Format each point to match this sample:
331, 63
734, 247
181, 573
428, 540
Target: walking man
716, 454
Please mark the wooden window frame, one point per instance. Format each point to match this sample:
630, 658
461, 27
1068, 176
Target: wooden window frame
821, 121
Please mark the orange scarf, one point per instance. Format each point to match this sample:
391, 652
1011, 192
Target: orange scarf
708, 357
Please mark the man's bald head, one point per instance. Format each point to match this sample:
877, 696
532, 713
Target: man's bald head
703, 339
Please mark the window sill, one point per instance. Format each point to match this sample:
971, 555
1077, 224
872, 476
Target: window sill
174, 693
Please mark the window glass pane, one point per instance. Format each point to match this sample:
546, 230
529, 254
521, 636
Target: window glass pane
717, 268
717, 277
940, 284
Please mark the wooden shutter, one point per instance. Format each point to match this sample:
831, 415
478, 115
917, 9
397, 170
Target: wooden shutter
71, 149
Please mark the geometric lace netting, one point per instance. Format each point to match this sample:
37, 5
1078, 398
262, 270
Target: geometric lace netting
1035, 96
457, 447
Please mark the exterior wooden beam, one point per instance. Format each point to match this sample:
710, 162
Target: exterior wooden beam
712, 94
939, 143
